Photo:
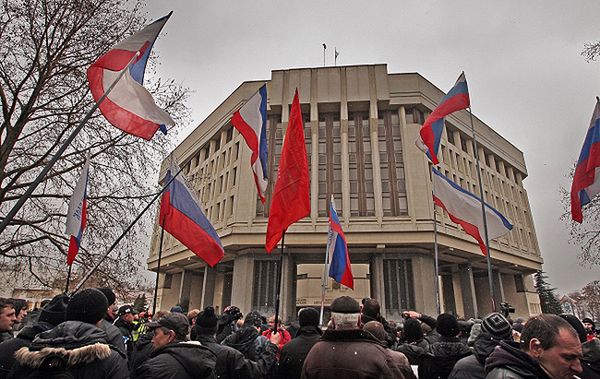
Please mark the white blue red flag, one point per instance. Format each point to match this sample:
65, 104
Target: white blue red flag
129, 106
77, 213
586, 180
182, 216
464, 208
431, 131
340, 268
251, 121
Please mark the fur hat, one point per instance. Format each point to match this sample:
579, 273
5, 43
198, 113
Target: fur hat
308, 316
577, 325
55, 312
447, 325
496, 325
412, 330
88, 306
344, 304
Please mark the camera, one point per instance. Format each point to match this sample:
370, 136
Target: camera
506, 308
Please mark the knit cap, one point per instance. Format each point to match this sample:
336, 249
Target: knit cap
447, 325
207, 318
55, 312
497, 326
308, 316
412, 330
88, 306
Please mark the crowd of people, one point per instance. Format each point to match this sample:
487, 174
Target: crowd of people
88, 336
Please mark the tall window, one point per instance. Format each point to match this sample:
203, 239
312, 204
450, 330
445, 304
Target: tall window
330, 162
392, 167
399, 286
362, 202
264, 290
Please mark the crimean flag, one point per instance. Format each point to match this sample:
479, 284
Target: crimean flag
291, 199
464, 208
77, 213
431, 131
182, 216
340, 268
586, 180
251, 121
129, 106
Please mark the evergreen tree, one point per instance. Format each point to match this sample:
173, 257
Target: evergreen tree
548, 299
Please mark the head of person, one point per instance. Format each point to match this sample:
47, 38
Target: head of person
370, 310
88, 305
55, 312
497, 326
7, 315
160, 314
271, 322
554, 344
111, 312
412, 331
577, 325
375, 328
127, 313
169, 329
177, 309
20, 306
447, 325
206, 322
191, 315
589, 324
253, 320
345, 313
308, 317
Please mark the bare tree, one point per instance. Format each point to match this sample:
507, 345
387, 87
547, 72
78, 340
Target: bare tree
45, 48
591, 294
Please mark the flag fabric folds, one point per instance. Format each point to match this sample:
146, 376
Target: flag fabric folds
464, 208
129, 106
431, 131
182, 216
251, 122
586, 180
290, 201
77, 213
339, 267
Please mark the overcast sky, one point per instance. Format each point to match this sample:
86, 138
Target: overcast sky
527, 78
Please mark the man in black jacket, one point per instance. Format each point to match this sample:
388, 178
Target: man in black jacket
294, 352
550, 348
173, 356
248, 340
115, 337
230, 362
125, 325
590, 361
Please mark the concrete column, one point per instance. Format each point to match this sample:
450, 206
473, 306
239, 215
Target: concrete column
314, 163
208, 287
184, 288
448, 293
243, 274
377, 191
376, 283
467, 289
345, 154
288, 289
498, 289
196, 291
423, 267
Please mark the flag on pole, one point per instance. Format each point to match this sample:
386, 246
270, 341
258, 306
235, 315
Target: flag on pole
586, 180
77, 212
129, 106
464, 208
251, 121
431, 131
182, 216
290, 201
340, 268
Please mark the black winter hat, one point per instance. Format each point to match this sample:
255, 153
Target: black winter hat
344, 304
447, 325
308, 317
577, 325
589, 321
497, 326
253, 319
88, 306
110, 295
207, 318
412, 330
55, 312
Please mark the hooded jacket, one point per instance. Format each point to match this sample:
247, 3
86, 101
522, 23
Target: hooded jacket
73, 346
23, 339
473, 366
509, 362
179, 360
590, 361
294, 352
247, 341
441, 356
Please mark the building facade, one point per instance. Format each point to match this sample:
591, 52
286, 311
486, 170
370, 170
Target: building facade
360, 126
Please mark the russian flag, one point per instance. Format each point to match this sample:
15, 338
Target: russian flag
129, 106
77, 213
586, 180
339, 267
182, 216
431, 131
464, 208
251, 122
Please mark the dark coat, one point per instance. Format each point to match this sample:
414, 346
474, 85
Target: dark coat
179, 360
353, 354
473, 366
590, 361
232, 364
441, 357
294, 352
23, 339
507, 361
414, 350
79, 347
114, 335
126, 333
247, 341
141, 352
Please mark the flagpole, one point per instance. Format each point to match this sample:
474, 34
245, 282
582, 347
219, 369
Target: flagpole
68, 278
437, 264
324, 49
485, 227
160, 251
279, 275
8, 218
324, 283
111, 248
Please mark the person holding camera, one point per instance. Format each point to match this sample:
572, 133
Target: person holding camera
227, 322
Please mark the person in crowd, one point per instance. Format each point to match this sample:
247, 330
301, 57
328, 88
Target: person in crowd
475, 332
21, 310
115, 337
285, 335
231, 363
173, 356
177, 309
345, 348
76, 348
294, 353
51, 315
590, 327
7, 319
227, 322
125, 325
442, 355
370, 311
33, 315
550, 348
292, 327
191, 315
494, 328
248, 339
143, 347
428, 324
413, 343
590, 362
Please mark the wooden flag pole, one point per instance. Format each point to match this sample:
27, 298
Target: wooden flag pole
279, 275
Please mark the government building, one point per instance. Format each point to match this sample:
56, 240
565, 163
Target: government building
360, 127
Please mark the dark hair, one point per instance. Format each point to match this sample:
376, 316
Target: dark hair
18, 304
5, 303
545, 328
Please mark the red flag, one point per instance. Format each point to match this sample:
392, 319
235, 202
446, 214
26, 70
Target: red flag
290, 201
